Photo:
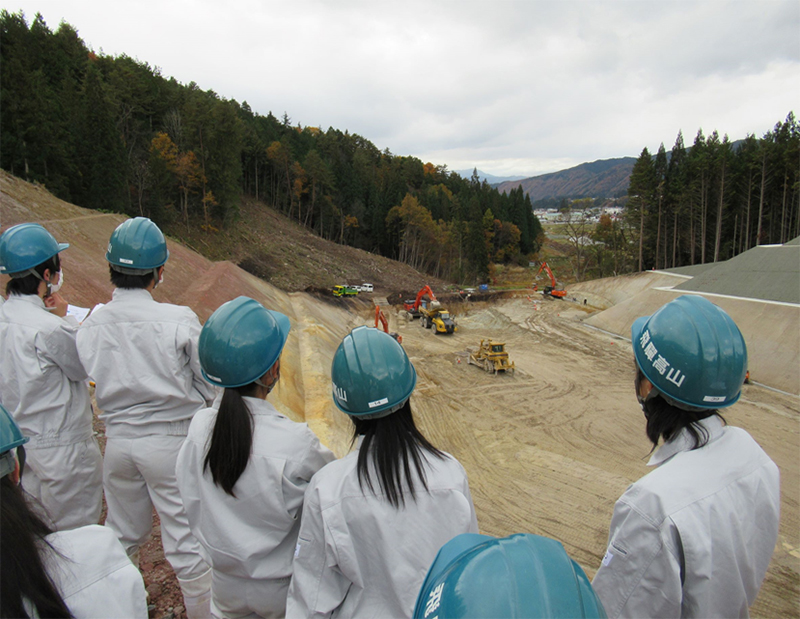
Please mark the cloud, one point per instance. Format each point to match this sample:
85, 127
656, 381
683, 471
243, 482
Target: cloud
515, 86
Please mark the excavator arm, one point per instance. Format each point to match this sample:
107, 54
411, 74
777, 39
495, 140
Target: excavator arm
423, 291
380, 317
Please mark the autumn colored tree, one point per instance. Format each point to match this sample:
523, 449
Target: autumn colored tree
417, 231
184, 166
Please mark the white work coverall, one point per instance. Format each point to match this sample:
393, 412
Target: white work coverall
249, 539
41, 385
142, 356
94, 575
694, 537
357, 556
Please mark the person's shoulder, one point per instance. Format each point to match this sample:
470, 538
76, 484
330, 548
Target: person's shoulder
200, 424
28, 311
445, 462
93, 550
335, 475
180, 313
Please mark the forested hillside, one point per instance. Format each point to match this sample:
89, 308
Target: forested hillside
712, 201
113, 133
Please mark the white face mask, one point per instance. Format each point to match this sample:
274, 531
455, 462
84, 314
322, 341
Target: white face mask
54, 288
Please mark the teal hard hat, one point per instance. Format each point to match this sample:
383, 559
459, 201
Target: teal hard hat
692, 352
10, 437
25, 246
137, 245
519, 576
240, 342
371, 374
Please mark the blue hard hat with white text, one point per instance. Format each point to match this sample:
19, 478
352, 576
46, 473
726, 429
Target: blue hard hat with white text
137, 245
371, 373
515, 577
692, 352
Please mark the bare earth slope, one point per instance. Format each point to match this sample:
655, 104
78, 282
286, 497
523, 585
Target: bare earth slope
770, 328
548, 450
290, 257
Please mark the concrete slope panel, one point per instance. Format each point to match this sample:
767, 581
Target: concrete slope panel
770, 272
610, 291
771, 331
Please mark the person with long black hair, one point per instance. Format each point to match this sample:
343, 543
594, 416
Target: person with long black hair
694, 537
82, 572
244, 467
374, 520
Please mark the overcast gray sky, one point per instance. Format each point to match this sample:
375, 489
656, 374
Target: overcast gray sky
520, 88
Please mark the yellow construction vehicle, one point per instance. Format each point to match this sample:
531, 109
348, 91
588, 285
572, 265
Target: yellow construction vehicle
492, 357
438, 320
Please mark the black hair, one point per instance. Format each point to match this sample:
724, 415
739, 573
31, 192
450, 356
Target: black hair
23, 576
665, 420
231, 440
392, 444
123, 280
30, 283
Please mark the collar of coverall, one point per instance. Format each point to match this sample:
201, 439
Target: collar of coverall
683, 441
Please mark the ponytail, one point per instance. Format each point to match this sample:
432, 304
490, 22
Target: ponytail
232, 439
23, 578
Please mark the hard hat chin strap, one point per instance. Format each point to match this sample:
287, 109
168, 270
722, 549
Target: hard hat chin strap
271, 385
7, 463
672, 402
137, 272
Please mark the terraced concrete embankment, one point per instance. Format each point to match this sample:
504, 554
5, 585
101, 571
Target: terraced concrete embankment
771, 329
549, 449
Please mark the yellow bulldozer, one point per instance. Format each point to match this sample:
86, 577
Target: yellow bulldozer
492, 357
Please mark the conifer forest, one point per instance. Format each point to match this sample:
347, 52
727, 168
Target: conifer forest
112, 133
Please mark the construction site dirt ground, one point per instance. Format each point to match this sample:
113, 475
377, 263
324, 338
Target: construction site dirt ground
550, 449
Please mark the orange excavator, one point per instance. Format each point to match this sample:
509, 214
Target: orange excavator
553, 290
380, 317
412, 305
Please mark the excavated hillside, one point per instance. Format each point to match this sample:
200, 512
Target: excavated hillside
548, 449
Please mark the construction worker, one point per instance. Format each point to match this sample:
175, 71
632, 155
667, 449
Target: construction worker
81, 572
142, 356
374, 520
515, 577
244, 467
42, 380
693, 538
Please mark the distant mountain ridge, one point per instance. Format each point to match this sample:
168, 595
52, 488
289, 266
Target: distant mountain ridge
489, 178
605, 178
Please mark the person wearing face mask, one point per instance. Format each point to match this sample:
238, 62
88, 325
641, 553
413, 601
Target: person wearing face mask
694, 538
42, 380
142, 356
244, 467
79, 573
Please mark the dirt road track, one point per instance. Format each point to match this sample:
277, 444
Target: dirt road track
550, 449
